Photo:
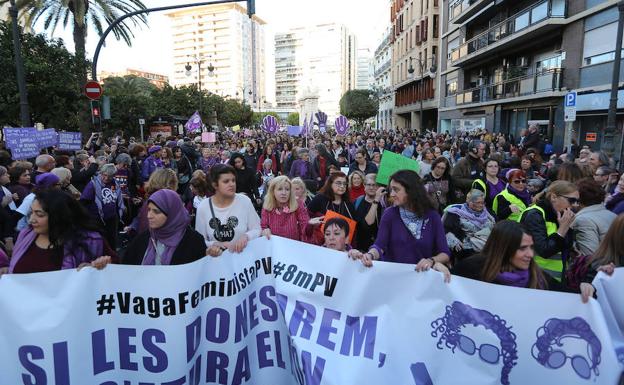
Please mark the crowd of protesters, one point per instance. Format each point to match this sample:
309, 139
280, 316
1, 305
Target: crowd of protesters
482, 205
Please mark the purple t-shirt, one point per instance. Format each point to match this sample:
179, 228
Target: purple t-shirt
395, 242
109, 200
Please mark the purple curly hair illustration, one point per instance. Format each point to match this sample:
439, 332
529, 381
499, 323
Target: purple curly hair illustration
458, 314
545, 349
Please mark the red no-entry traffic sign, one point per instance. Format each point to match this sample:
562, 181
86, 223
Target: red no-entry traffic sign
93, 90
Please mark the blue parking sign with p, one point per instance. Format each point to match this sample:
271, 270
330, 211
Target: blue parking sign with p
570, 99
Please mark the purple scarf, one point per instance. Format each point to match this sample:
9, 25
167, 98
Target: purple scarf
524, 195
72, 257
481, 219
171, 233
517, 278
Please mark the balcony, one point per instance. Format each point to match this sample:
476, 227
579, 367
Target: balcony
382, 68
462, 10
522, 86
520, 28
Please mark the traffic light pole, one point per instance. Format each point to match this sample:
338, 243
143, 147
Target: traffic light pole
251, 10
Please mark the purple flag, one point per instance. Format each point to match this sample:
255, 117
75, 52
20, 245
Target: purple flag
194, 123
342, 125
270, 125
304, 128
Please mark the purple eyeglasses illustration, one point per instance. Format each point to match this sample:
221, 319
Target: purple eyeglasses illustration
458, 315
321, 119
554, 357
270, 125
342, 125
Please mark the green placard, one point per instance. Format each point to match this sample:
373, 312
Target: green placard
391, 163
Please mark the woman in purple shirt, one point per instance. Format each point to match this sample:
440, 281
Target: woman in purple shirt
411, 231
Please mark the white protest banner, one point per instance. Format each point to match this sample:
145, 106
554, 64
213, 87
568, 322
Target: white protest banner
283, 312
610, 291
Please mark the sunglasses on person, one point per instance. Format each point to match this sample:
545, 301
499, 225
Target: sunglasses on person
571, 200
519, 181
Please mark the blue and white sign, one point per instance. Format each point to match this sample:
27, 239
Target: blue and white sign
570, 99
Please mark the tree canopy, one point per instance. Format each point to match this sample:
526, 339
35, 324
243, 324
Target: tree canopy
51, 78
359, 105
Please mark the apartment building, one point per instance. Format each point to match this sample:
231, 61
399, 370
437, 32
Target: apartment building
382, 65
507, 64
415, 41
320, 59
224, 37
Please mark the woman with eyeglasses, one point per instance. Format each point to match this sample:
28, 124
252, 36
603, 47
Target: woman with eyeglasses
491, 184
332, 196
506, 259
439, 184
514, 199
549, 221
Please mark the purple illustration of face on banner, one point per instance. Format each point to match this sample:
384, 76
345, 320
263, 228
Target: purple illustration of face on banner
342, 125
269, 124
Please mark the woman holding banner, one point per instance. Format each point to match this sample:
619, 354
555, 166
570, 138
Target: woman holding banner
411, 231
169, 240
60, 235
226, 220
282, 213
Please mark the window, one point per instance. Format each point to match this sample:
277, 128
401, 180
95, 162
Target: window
599, 44
451, 87
435, 25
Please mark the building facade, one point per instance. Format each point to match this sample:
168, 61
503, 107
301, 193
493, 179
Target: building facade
364, 78
320, 59
224, 37
415, 41
382, 66
508, 64
158, 80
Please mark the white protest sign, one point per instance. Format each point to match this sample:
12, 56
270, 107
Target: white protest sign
284, 312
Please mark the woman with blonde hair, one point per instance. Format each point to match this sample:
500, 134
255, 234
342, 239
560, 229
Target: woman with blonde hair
282, 214
303, 195
548, 221
356, 185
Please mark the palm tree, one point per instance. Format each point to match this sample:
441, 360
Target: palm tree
82, 13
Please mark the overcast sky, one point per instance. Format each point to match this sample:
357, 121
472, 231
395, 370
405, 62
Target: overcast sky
151, 49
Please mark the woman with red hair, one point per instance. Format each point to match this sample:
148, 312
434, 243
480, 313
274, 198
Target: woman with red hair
514, 199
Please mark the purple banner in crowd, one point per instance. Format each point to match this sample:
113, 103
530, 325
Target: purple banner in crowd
47, 138
194, 124
294, 130
69, 140
22, 142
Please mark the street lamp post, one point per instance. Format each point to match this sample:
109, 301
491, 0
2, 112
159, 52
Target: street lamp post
199, 60
615, 80
19, 67
422, 64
